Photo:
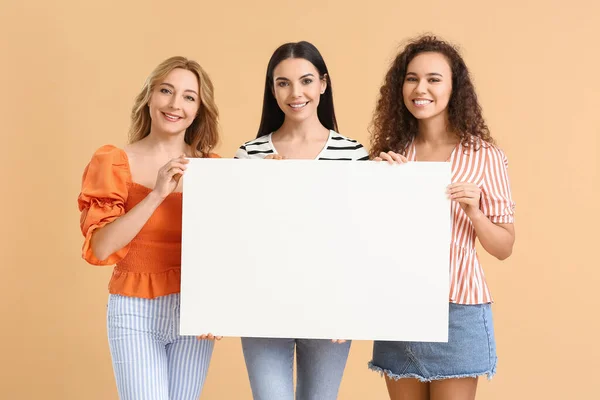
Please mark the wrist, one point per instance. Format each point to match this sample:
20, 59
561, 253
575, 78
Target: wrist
475, 214
156, 197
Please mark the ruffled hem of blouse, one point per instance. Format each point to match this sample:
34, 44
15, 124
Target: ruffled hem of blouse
147, 285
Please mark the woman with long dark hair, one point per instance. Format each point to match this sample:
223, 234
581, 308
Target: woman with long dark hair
298, 122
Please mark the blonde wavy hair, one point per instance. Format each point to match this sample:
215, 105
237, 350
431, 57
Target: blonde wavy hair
203, 134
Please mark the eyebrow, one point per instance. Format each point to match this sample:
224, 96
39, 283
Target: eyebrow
281, 78
429, 74
173, 87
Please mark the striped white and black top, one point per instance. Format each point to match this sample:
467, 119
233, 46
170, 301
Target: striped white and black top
338, 147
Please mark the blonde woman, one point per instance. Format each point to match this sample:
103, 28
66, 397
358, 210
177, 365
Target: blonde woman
130, 205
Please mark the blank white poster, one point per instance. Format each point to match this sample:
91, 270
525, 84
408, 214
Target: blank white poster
303, 249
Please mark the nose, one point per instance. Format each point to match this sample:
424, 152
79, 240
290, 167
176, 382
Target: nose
174, 102
296, 90
421, 87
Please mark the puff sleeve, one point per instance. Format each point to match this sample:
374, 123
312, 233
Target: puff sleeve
102, 198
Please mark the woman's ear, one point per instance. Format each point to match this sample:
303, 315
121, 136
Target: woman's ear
323, 83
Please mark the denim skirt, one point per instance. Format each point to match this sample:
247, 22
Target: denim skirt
469, 352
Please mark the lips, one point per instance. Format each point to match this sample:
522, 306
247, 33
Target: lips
422, 102
171, 117
298, 106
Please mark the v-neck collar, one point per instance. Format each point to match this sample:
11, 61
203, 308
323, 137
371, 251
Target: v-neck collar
270, 138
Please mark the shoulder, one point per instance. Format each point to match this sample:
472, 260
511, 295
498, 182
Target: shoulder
108, 156
107, 163
490, 155
110, 152
493, 153
337, 138
263, 140
258, 147
350, 147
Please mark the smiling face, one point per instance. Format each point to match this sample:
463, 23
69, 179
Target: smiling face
297, 88
427, 86
174, 102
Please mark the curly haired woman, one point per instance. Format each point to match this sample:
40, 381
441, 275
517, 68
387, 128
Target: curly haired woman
428, 111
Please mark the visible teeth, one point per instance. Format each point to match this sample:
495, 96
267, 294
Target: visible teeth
297, 105
171, 116
422, 102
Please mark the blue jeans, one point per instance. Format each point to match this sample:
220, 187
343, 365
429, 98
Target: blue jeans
151, 361
320, 366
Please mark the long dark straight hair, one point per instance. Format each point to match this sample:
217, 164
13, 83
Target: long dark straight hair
272, 116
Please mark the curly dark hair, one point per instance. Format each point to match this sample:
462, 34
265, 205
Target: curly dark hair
393, 126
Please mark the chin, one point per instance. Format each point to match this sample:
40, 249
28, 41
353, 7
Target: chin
422, 116
296, 118
172, 132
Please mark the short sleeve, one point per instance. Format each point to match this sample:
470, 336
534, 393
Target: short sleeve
241, 153
496, 199
102, 197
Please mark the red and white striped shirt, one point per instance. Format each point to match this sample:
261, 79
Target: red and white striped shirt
486, 167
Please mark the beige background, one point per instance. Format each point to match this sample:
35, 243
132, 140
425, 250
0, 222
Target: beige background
70, 71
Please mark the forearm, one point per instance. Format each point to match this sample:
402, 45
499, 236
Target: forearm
496, 239
120, 232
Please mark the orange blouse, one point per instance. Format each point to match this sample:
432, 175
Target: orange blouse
150, 265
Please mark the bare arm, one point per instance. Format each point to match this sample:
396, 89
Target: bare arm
116, 235
496, 239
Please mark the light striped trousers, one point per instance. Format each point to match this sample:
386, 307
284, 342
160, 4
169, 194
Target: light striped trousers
151, 361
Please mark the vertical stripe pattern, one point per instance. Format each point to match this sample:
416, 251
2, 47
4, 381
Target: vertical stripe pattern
487, 168
151, 361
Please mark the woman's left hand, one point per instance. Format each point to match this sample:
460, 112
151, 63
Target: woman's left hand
340, 341
467, 194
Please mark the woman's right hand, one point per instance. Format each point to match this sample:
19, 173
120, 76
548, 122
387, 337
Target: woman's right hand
209, 336
391, 157
169, 175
